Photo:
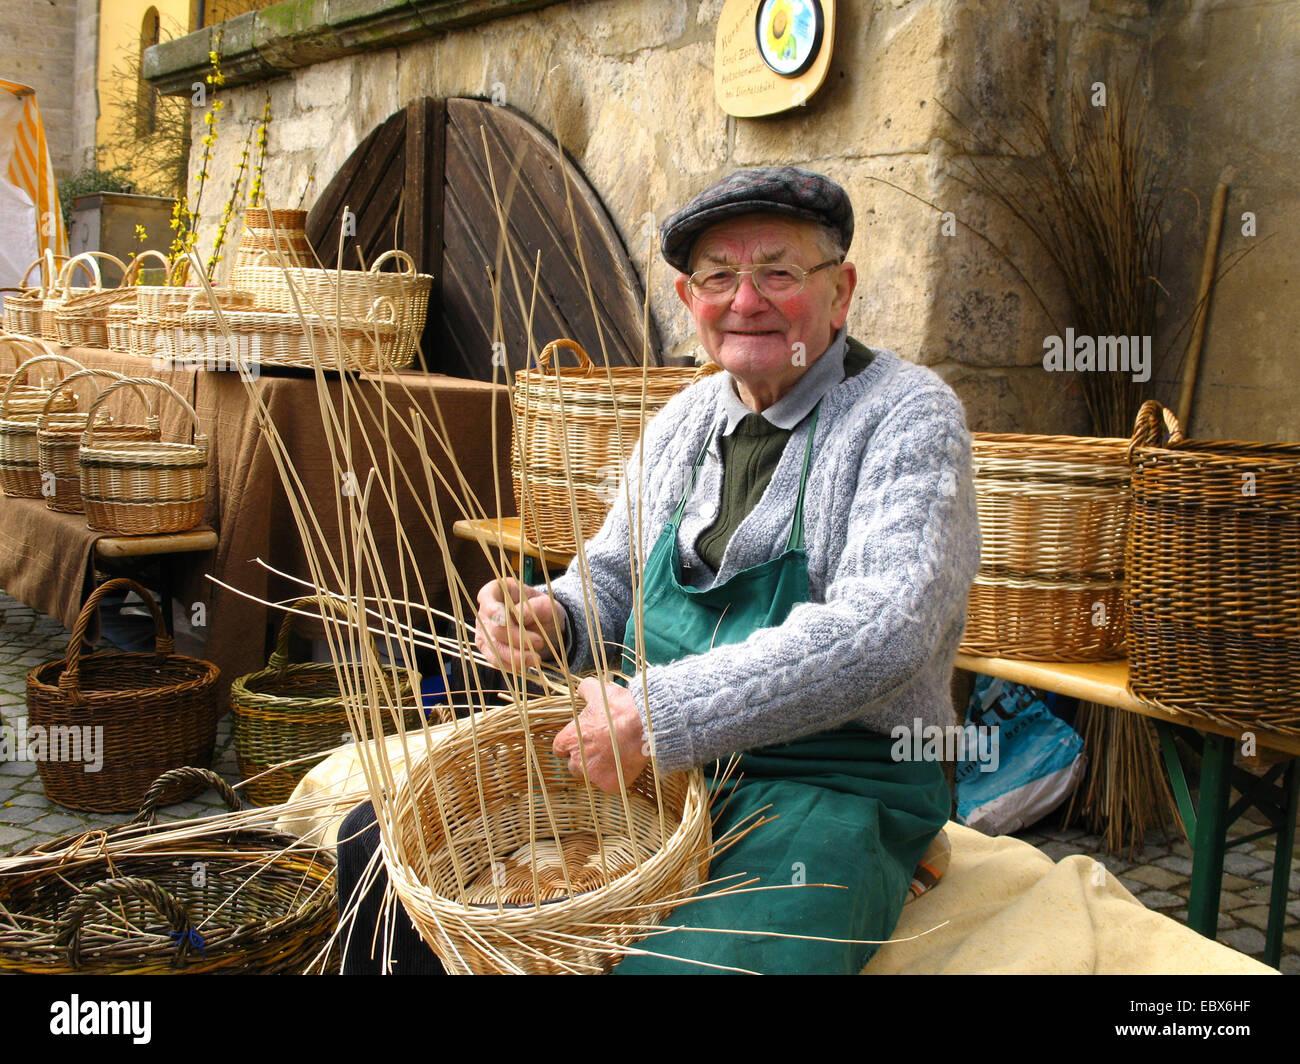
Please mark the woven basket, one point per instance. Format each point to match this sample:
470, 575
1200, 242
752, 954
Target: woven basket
144, 335
597, 412
1053, 513
82, 320
479, 911
22, 309
233, 901
63, 290
138, 487
205, 340
1214, 577
155, 712
58, 443
347, 294
117, 324
292, 711
20, 411
282, 232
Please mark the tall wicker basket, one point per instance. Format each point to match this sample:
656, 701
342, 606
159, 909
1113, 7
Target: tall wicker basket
282, 232
593, 413
1053, 514
291, 711
138, 900
151, 712
1214, 576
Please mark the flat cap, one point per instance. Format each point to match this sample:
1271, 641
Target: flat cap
784, 190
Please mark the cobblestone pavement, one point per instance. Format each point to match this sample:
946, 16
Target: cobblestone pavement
1160, 877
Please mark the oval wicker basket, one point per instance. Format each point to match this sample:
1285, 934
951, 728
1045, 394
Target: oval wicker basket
1053, 513
64, 289
140, 487
1214, 577
290, 711
594, 413
20, 463
479, 911
153, 712
230, 901
58, 442
282, 232
22, 309
82, 320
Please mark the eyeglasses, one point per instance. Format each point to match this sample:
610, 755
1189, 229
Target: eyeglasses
774, 280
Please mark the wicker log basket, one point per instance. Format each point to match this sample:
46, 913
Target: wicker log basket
1053, 514
58, 441
597, 412
1214, 576
290, 711
157, 711
480, 912
20, 412
128, 901
137, 487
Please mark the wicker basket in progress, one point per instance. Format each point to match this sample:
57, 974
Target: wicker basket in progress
479, 910
20, 412
135, 900
594, 413
58, 442
140, 487
290, 711
155, 712
1214, 577
1053, 514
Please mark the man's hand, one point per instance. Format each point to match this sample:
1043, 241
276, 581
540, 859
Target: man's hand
598, 742
497, 632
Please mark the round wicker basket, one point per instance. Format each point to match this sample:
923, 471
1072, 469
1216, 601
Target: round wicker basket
533, 880
283, 232
20, 411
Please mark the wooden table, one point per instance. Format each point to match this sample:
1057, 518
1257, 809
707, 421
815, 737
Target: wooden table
1207, 821
124, 549
507, 533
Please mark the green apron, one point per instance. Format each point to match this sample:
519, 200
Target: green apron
847, 814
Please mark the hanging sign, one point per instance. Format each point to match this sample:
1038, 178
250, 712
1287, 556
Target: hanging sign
771, 55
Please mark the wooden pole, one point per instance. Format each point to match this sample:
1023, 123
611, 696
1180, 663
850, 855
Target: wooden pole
1209, 261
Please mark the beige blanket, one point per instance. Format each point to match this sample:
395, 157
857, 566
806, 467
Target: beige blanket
1004, 907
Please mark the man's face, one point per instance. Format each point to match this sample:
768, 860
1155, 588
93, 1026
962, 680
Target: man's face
751, 336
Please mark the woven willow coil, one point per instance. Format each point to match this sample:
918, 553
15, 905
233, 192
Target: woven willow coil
143, 486
1053, 514
58, 442
594, 412
20, 412
1214, 576
479, 912
290, 711
127, 901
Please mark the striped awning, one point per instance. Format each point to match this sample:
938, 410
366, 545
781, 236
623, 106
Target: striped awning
26, 163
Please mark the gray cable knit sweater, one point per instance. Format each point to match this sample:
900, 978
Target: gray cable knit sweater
893, 544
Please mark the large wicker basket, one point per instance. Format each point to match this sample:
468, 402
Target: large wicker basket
152, 712
20, 411
140, 487
1214, 577
596, 415
288, 712
349, 295
475, 807
1053, 514
138, 900
58, 442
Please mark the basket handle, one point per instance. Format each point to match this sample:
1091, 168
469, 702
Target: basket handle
88, 265
553, 349
22, 369
29, 344
50, 269
706, 369
133, 269
280, 659
164, 646
67, 931
88, 437
408, 263
80, 374
382, 303
148, 813
1146, 427
23, 285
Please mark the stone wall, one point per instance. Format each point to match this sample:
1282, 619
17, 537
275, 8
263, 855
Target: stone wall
627, 86
38, 48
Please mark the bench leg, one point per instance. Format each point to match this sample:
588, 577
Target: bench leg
1282, 866
1210, 836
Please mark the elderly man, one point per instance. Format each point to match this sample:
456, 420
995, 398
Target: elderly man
814, 539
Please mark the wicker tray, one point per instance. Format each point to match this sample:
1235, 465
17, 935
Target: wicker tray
131, 901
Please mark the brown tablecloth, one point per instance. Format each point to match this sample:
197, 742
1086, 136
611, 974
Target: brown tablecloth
46, 558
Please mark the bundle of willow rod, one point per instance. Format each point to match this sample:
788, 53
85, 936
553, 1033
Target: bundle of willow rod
1053, 514
221, 896
1214, 576
592, 416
